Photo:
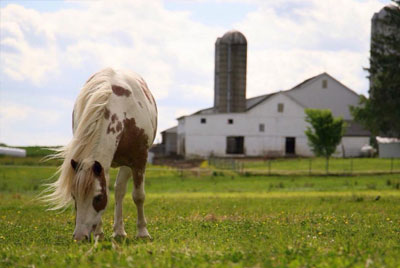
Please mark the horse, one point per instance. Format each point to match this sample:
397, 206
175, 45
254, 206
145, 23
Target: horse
114, 123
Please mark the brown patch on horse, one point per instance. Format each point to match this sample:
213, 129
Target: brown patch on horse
146, 90
111, 128
114, 117
140, 104
100, 201
106, 113
119, 126
132, 147
120, 91
137, 177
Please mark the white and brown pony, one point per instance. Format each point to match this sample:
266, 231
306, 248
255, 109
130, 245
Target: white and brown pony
114, 123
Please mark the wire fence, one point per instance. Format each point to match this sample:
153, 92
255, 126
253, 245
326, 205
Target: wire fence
309, 166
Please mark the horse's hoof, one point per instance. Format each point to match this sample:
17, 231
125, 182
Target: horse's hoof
144, 234
119, 235
148, 237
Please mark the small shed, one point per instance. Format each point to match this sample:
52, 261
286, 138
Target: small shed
12, 152
169, 141
388, 147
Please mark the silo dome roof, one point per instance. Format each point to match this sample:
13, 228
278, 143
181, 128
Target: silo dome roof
233, 37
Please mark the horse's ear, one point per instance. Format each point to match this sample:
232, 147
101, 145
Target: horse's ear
97, 168
74, 164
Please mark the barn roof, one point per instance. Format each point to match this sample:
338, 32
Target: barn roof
353, 129
171, 130
253, 102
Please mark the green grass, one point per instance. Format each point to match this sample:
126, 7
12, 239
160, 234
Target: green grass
219, 221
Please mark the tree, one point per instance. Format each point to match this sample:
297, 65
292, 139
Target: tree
325, 132
380, 113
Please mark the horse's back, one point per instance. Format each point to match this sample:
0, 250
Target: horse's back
129, 116
132, 96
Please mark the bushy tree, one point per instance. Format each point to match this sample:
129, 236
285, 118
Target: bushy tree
324, 133
380, 113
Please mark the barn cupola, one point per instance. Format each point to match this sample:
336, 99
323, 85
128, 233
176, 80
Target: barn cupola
230, 73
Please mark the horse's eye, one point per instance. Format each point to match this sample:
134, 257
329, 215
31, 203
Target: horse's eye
98, 198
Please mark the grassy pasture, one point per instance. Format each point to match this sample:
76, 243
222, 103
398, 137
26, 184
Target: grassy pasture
221, 220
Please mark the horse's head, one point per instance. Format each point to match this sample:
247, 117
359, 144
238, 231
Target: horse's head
90, 195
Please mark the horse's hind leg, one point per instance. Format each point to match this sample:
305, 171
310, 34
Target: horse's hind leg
138, 196
120, 189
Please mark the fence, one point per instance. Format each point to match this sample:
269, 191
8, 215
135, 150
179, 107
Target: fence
309, 166
226, 164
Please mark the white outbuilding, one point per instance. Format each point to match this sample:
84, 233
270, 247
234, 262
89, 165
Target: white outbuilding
12, 152
388, 147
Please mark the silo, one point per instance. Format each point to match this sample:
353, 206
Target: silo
230, 73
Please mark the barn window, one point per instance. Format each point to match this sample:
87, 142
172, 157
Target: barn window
235, 145
203, 120
324, 83
261, 127
230, 121
280, 107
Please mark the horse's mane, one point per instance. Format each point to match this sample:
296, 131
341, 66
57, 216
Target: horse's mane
87, 119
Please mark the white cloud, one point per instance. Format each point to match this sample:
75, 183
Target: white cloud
272, 70
30, 125
292, 40
22, 59
13, 113
139, 35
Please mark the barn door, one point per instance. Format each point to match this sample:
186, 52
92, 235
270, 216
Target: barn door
290, 146
235, 145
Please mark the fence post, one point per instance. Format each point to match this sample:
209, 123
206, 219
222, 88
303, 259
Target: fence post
351, 166
269, 167
391, 165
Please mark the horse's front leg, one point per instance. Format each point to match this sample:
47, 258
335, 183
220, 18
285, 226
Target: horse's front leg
120, 189
138, 196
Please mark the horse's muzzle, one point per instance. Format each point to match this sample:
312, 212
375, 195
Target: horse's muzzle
81, 237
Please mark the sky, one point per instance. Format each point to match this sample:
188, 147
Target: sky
48, 49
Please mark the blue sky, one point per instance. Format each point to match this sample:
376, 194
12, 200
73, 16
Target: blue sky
48, 49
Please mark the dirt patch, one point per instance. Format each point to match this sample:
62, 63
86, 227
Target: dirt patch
178, 163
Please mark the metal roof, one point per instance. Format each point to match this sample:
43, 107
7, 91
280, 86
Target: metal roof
355, 129
171, 130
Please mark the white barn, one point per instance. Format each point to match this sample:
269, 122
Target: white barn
267, 125
272, 124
